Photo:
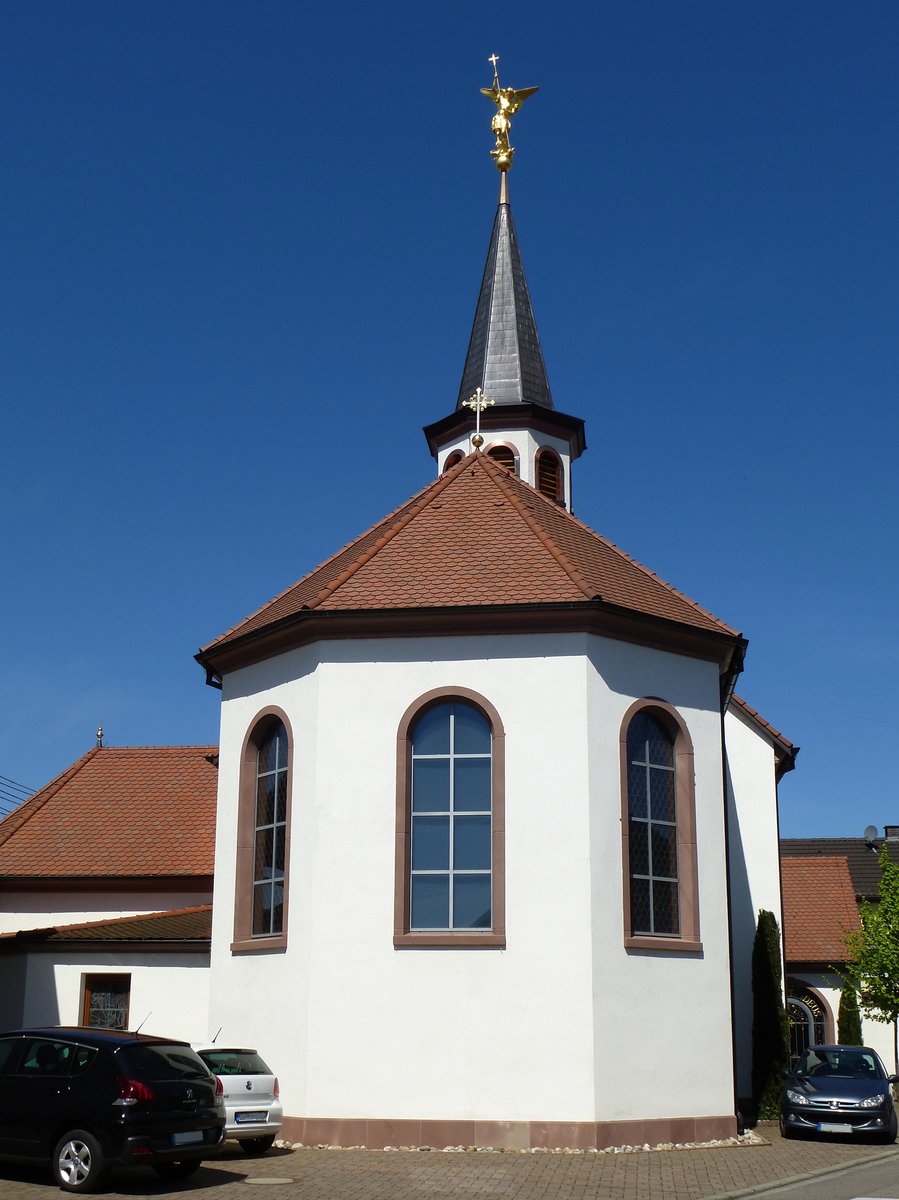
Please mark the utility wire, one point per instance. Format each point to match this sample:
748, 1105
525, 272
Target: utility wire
12, 794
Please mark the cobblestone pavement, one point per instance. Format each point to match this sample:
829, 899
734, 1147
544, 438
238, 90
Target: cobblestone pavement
307, 1174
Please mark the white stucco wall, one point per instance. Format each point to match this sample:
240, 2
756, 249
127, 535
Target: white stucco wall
169, 992
754, 856
561, 1025
41, 910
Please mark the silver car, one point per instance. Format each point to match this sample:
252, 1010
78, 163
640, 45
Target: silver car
253, 1112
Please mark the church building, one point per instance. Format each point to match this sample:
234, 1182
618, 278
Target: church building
493, 828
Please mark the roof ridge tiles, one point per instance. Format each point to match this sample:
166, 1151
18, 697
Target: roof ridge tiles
753, 712
14, 821
504, 482
412, 501
404, 516
569, 516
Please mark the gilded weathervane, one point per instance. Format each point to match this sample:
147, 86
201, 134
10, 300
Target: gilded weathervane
507, 101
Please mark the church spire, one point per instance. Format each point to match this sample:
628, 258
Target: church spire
504, 357
514, 420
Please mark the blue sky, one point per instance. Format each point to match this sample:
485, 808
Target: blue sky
240, 246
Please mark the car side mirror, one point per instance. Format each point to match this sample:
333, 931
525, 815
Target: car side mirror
893, 1079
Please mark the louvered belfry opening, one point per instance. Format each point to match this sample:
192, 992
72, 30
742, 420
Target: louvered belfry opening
452, 459
549, 475
504, 456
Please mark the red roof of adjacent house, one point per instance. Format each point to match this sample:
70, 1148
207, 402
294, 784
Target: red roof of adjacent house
478, 536
819, 909
136, 811
180, 925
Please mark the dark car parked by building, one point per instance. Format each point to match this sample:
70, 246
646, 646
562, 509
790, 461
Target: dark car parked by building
838, 1089
83, 1100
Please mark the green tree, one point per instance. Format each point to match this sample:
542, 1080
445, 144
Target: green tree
849, 1020
873, 953
770, 1031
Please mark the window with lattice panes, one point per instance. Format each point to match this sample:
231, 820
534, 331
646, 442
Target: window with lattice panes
652, 815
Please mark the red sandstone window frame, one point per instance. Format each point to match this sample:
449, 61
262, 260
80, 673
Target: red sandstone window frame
460, 939
688, 939
244, 942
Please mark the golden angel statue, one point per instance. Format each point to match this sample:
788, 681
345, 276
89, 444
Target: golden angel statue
507, 101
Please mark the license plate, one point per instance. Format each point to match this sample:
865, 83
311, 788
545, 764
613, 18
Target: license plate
250, 1117
187, 1139
833, 1127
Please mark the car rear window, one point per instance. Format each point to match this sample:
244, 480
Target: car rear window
235, 1062
160, 1062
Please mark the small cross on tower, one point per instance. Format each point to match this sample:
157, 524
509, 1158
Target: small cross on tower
477, 403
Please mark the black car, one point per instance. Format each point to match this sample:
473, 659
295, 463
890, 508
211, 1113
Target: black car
85, 1099
838, 1089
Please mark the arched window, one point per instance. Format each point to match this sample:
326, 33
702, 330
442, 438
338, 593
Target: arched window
263, 840
658, 830
549, 474
452, 458
809, 1017
450, 864
504, 455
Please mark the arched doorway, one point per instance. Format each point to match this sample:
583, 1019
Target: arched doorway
808, 1016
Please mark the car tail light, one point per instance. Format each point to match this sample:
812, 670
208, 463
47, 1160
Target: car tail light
276, 1090
219, 1088
132, 1091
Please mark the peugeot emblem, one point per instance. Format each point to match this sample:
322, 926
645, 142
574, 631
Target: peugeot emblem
189, 1094
249, 1085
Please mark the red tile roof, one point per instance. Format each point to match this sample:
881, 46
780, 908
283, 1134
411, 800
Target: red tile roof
137, 811
478, 536
178, 925
819, 909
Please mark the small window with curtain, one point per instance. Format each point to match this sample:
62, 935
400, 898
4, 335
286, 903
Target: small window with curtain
106, 1001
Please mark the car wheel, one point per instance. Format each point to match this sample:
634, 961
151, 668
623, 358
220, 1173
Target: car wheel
177, 1170
77, 1162
785, 1130
256, 1146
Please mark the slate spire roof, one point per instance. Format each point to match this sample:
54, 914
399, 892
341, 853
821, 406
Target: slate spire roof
475, 547
504, 356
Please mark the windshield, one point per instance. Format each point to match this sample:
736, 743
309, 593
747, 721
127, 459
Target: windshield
836, 1062
160, 1062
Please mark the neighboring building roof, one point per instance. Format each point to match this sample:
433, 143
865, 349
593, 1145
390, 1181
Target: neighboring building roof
862, 857
784, 750
476, 539
504, 357
130, 812
191, 926
819, 909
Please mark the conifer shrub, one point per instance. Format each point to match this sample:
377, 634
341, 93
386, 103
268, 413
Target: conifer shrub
849, 1019
770, 1031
